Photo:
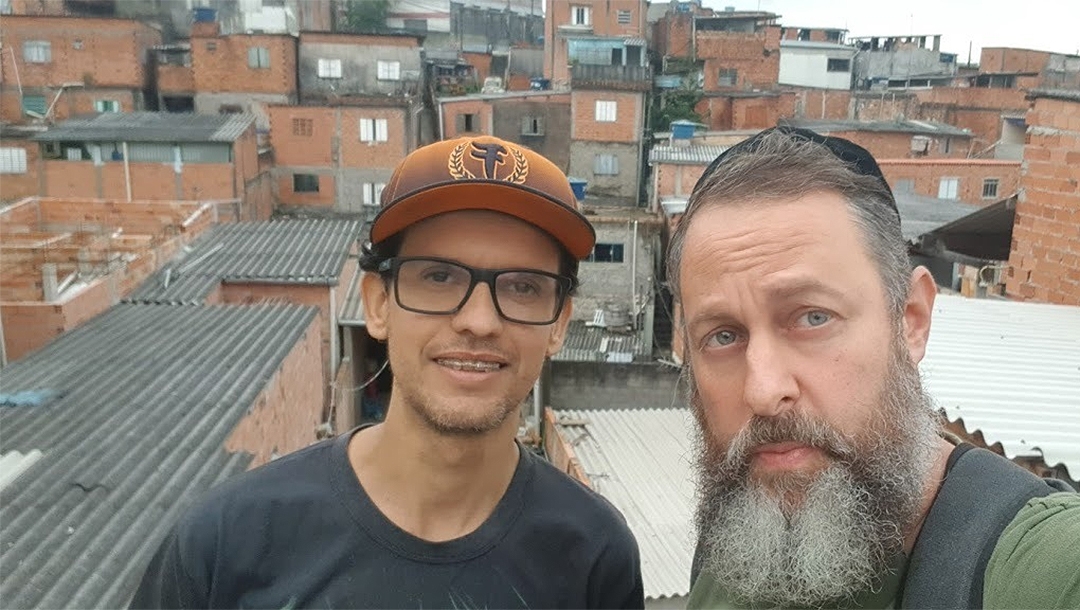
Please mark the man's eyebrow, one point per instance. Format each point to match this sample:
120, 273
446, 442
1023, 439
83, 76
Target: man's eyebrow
800, 287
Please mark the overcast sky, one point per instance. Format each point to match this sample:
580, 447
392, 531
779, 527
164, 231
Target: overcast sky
1046, 25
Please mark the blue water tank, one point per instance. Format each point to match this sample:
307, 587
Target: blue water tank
205, 14
682, 130
578, 185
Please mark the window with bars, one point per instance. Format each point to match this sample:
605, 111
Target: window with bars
259, 58
728, 77
580, 15
106, 106
305, 183
373, 130
389, 70
37, 51
606, 111
329, 68
303, 127
532, 126
990, 188
606, 253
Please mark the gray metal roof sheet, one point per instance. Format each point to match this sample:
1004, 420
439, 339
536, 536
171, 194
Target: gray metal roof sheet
907, 126
594, 344
352, 311
148, 395
920, 214
699, 154
641, 461
287, 251
1012, 370
150, 127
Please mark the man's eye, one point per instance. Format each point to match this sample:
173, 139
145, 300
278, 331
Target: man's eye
722, 338
816, 318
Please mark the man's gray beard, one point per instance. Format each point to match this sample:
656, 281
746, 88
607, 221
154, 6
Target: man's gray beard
823, 538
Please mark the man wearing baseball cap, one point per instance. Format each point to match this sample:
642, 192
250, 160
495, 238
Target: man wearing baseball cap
471, 267
825, 478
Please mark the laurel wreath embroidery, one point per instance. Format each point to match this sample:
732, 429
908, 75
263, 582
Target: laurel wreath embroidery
456, 164
521, 167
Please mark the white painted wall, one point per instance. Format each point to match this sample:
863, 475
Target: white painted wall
808, 67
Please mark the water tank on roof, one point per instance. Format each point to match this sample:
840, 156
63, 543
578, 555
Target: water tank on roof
682, 130
205, 14
578, 186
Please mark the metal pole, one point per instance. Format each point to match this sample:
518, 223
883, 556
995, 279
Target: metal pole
127, 171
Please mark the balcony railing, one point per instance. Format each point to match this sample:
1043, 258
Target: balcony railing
633, 78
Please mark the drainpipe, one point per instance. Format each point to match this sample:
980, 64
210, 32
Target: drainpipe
127, 171
633, 277
441, 136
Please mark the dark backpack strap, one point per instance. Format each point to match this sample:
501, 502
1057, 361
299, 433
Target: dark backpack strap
980, 496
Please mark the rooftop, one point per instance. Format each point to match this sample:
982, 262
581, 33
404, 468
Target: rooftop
906, 126
641, 461
920, 214
502, 96
137, 405
695, 154
150, 127
1071, 95
310, 251
809, 44
588, 343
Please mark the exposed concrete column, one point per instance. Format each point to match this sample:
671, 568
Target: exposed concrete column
48, 282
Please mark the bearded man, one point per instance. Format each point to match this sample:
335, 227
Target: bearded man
824, 475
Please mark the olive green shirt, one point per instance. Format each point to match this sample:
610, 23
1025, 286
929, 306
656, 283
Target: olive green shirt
1035, 564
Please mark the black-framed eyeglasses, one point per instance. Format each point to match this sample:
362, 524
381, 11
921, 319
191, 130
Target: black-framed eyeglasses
440, 286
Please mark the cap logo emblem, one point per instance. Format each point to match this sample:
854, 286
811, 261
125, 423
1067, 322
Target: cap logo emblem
487, 159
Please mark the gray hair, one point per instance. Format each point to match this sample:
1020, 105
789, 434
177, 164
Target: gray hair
784, 167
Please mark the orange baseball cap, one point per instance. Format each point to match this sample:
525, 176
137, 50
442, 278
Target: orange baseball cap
483, 173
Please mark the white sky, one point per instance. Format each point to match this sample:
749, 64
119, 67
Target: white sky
1046, 25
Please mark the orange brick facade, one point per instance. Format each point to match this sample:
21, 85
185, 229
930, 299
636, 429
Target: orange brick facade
93, 59
754, 56
737, 111
1044, 264
629, 114
286, 413
603, 16
1003, 59
456, 124
924, 176
897, 145
671, 180
221, 64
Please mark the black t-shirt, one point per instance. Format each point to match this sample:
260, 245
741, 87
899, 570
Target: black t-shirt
301, 532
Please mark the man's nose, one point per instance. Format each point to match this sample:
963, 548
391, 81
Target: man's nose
478, 315
770, 387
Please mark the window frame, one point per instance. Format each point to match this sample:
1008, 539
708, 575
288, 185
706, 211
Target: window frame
723, 74
328, 68
374, 130
11, 159
299, 178
37, 51
995, 182
388, 70
303, 127
261, 57
829, 65
585, 12
955, 181
613, 250
604, 109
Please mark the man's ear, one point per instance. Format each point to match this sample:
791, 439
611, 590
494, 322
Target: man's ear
376, 297
558, 329
918, 310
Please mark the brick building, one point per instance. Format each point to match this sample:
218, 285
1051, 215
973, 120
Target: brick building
64, 261
1005, 67
740, 50
594, 33
538, 120
739, 110
804, 34
976, 181
896, 139
1044, 264
606, 142
342, 65
57, 67
242, 72
154, 156
339, 158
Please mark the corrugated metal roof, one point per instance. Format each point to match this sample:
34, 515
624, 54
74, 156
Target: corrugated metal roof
1012, 370
914, 127
920, 214
148, 396
595, 344
700, 154
150, 127
641, 461
310, 251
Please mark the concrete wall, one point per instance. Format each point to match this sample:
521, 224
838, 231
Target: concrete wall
359, 56
809, 68
254, 103
620, 189
553, 111
607, 282
600, 385
900, 63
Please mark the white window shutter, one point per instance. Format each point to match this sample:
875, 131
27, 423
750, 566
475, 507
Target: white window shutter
366, 130
381, 134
